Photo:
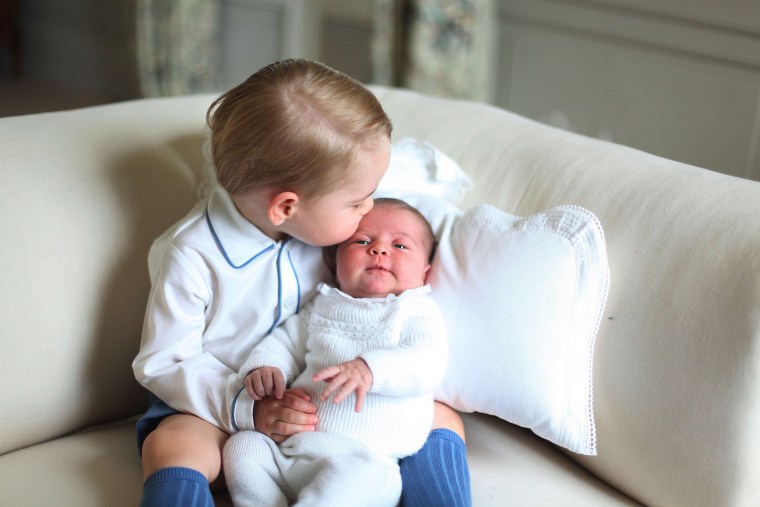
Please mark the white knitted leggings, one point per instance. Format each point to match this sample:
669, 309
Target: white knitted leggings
310, 469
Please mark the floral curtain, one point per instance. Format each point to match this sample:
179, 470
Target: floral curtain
176, 46
443, 47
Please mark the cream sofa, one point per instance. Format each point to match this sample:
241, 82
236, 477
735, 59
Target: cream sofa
677, 365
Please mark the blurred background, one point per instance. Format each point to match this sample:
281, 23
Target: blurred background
678, 78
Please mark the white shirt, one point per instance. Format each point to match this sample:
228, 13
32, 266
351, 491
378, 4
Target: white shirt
401, 338
218, 286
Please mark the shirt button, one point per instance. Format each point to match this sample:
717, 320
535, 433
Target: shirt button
290, 302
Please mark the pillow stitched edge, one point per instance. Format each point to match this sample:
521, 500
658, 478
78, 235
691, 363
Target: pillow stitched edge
584, 231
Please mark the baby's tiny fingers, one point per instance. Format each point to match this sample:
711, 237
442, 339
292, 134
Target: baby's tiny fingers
345, 391
258, 386
251, 389
333, 387
279, 386
267, 384
326, 373
359, 401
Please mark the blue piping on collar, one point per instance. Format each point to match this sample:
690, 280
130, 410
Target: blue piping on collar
278, 316
224, 252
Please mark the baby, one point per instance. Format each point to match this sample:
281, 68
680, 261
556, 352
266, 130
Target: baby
370, 353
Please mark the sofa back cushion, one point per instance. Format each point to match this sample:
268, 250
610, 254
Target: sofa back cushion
84, 193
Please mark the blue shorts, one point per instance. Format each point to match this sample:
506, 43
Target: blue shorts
157, 412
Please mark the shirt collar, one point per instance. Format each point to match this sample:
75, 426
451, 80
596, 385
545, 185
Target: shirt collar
238, 239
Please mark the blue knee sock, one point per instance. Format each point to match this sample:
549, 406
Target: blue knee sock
438, 474
178, 487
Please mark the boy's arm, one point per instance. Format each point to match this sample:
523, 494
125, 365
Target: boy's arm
171, 362
283, 348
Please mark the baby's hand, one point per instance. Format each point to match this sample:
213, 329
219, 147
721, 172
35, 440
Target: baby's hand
350, 377
265, 381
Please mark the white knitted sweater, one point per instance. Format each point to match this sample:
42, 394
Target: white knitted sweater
403, 341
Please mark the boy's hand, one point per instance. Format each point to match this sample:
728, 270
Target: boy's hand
345, 378
265, 381
279, 419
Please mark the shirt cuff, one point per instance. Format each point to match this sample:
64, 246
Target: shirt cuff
242, 411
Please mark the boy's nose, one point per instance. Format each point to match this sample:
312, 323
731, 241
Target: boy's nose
370, 204
377, 250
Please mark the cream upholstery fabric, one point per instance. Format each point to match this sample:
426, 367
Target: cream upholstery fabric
83, 195
677, 366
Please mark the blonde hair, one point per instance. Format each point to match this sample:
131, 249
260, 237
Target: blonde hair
294, 125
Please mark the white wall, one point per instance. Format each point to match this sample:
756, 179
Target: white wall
679, 78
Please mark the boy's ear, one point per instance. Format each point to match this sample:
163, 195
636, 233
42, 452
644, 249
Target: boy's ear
282, 206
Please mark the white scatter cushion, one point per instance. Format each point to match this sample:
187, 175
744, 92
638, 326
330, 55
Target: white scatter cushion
523, 298
420, 167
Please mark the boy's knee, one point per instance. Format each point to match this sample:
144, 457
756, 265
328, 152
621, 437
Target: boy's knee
183, 442
445, 417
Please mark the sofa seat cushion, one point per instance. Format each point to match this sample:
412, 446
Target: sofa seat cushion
509, 465
92, 468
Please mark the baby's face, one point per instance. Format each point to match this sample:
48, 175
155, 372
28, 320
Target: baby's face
387, 254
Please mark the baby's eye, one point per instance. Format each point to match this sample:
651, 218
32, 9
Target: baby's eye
361, 242
400, 246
